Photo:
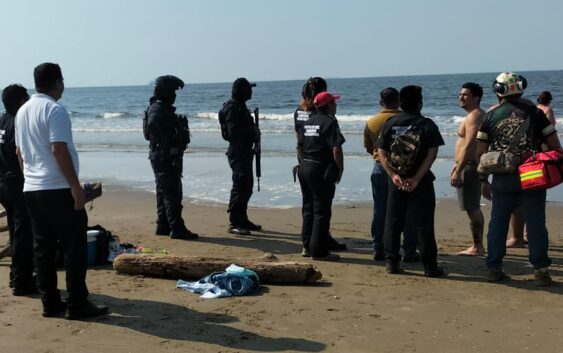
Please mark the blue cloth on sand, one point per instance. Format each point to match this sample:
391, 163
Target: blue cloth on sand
234, 281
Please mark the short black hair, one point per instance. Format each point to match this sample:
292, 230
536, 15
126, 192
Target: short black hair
410, 98
474, 88
545, 97
12, 97
46, 76
389, 96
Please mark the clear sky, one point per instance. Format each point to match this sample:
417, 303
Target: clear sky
130, 42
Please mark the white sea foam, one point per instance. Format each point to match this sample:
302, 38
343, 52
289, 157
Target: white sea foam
106, 129
283, 117
207, 115
112, 115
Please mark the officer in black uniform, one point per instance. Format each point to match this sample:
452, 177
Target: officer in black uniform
242, 134
321, 167
169, 136
11, 196
311, 88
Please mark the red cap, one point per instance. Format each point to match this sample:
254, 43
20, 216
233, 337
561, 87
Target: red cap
324, 98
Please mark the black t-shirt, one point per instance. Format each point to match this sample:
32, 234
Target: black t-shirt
300, 117
317, 137
399, 124
502, 122
9, 164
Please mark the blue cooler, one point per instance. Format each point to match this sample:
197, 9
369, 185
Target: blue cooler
92, 236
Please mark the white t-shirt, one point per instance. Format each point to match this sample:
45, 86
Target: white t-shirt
40, 122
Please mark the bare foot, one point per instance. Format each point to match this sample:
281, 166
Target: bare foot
472, 251
515, 243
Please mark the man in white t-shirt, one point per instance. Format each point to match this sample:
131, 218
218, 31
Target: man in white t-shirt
54, 195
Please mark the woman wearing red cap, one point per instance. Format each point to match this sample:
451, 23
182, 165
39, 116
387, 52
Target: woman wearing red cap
321, 166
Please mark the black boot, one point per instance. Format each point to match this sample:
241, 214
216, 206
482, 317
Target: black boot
251, 226
434, 271
54, 309
88, 309
237, 230
183, 234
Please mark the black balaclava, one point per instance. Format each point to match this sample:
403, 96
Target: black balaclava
242, 90
165, 88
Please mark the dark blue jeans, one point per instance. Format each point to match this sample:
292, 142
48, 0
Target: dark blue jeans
379, 188
505, 199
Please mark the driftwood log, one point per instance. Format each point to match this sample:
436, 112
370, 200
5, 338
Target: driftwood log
194, 267
5, 252
4, 227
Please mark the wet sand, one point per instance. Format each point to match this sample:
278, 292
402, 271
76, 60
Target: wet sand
356, 307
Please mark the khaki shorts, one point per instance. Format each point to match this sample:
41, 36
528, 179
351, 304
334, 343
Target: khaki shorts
469, 194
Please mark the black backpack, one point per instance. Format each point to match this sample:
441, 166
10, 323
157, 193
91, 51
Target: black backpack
146, 125
182, 132
405, 149
223, 121
102, 244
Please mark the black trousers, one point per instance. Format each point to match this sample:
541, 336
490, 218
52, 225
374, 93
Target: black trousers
419, 205
54, 220
318, 193
21, 238
307, 211
243, 183
169, 194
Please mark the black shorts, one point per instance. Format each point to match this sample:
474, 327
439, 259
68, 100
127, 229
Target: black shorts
469, 194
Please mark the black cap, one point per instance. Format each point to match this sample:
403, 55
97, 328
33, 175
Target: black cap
242, 82
242, 89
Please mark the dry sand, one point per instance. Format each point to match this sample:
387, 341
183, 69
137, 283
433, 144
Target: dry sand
357, 307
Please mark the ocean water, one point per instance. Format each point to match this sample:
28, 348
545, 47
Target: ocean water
107, 131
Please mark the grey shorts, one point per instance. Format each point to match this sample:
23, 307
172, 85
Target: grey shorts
469, 194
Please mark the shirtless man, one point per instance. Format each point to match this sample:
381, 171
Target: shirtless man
464, 175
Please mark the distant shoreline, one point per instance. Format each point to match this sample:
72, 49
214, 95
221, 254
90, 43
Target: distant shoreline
492, 73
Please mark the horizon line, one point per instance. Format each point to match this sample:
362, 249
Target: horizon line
326, 77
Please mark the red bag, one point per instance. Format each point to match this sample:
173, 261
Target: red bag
542, 171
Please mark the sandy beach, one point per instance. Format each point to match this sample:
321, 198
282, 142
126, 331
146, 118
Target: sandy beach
356, 307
